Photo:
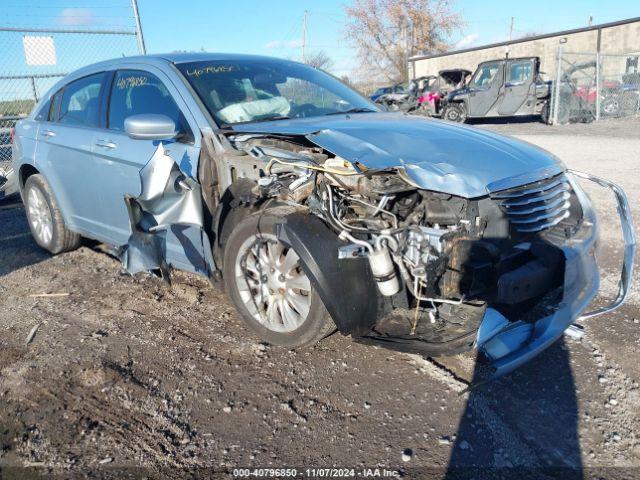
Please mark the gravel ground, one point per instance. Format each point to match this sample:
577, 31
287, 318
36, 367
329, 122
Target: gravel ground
127, 375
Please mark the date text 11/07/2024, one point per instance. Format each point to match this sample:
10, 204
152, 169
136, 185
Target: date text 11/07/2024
315, 473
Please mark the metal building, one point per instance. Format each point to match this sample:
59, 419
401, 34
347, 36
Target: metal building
621, 37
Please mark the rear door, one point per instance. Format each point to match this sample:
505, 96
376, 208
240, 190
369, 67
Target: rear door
65, 151
519, 94
119, 158
485, 88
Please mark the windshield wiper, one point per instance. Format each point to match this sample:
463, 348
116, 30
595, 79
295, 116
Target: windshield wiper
225, 125
269, 119
352, 110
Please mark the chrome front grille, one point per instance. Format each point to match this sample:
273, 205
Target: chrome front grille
536, 206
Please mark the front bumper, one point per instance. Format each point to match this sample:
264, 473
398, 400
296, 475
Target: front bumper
508, 344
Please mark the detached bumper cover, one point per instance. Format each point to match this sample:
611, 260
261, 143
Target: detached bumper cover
511, 344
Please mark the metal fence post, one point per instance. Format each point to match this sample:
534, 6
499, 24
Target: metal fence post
139, 36
34, 89
556, 89
598, 86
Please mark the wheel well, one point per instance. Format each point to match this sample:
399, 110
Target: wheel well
235, 204
25, 172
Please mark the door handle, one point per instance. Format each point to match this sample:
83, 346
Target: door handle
105, 144
48, 133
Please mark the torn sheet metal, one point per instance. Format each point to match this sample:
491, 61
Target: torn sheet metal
168, 198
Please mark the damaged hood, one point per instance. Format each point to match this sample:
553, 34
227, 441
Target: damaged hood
435, 155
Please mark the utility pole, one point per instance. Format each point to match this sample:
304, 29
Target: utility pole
139, 36
304, 36
407, 38
508, 49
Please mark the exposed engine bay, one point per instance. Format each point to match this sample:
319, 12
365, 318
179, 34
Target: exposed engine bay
437, 260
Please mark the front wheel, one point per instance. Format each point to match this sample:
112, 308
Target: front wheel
610, 106
268, 286
454, 112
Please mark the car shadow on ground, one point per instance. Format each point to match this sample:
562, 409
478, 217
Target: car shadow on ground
17, 247
504, 120
524, 425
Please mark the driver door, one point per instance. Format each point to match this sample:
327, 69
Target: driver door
519, 94
118, 158
485, 88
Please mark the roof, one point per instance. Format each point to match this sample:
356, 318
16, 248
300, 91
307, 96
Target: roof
195, 57
528, 39
156, 58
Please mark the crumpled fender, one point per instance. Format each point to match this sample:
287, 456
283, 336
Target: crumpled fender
346, 286
168, 197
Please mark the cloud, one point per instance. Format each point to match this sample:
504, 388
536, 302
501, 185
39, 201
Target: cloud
467, 41
273, 45
276, 44
76, 16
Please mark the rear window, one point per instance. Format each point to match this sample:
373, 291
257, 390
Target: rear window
80, 104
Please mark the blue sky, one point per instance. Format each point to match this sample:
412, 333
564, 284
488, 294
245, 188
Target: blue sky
274, 27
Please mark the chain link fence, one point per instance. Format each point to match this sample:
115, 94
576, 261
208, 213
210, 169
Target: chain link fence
34, 57
594, 86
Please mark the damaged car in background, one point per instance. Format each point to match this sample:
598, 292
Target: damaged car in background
315, 209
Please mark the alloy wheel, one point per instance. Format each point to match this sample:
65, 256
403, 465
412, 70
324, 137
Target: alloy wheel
272, 285
40, 216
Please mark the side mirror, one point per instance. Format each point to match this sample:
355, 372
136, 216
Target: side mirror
150, 126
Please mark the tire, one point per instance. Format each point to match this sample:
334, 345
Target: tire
610, 106
454, 112
45, 219
545, 113
285, 309
630, 102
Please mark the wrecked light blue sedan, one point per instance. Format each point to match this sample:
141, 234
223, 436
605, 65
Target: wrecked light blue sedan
316, 210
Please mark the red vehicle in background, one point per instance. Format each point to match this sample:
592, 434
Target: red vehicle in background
430, 102
423, 95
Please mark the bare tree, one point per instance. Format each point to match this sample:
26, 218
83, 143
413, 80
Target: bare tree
387, 32
319, 60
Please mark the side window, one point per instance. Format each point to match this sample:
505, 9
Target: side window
135, 92
519, 72
80, 102
486, 74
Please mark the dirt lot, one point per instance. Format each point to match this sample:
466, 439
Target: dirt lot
126, 375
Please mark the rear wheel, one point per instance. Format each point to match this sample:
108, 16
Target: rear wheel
268, 286
454, 112
45, 219
630, 102
545, 113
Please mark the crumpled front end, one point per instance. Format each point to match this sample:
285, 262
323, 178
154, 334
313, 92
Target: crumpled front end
509, 343
504, 272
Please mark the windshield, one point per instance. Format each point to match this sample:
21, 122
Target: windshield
241, 91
